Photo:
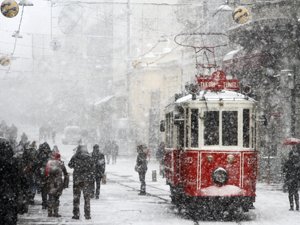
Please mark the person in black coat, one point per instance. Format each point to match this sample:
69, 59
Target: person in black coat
9, 184
291, 171
29, 159
141, 167
99, 166
83, 177
43, 155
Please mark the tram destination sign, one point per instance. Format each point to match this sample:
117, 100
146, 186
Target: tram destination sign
217, 82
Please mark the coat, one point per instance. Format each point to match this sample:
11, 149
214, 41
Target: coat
99, 163
141, 163
9, 185
57, 177
292, 172
83, 166
43, 155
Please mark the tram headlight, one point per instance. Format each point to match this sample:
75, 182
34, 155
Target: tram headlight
220, 176
210, 158
230, 159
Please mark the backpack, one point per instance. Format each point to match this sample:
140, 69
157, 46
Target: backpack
53, 168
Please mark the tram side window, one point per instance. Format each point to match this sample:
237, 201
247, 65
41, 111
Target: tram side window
211, 128
229, 128
186, 128
180, 133
168, 130
246, 128
194, 127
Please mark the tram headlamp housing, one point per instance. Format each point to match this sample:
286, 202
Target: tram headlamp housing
220, 176
230, 159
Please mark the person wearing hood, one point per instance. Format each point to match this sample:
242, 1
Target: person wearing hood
10, 183
83, 177
43, 155
99, 166
57, 180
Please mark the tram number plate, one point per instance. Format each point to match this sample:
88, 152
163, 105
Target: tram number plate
251, 161
188, 160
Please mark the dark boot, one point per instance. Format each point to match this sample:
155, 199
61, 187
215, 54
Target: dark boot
87, 217
56, 213
75, 217
142, 193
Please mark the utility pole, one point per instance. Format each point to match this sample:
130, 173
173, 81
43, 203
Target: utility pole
128, 56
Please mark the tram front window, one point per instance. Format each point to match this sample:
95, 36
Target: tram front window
194, 128
229, 128
211, 128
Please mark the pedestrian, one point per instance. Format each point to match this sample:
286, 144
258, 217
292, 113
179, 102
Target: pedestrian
107, 151
114, 152
29, 159
53, 135
160, 157
291, 171
43, 155
83, 166
141, 166
9, 184
99, 166
57, 180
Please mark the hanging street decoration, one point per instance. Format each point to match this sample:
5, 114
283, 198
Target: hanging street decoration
4, 60
241, 15
9, 8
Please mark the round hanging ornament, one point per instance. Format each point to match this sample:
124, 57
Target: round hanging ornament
241, 15
4, 60
9, 8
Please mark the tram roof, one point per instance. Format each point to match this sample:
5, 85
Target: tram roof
212, 95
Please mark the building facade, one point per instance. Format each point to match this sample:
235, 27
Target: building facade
266, 59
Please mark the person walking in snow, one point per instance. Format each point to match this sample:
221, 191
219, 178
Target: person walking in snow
10, 182
291, 171
141, 166
83, 177
99, 166
114, 152
57, 180
43, 155
107, 151
160, 157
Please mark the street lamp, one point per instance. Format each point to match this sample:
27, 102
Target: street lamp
25, 3
223, 8
17, 34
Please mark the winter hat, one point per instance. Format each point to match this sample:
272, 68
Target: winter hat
56, 155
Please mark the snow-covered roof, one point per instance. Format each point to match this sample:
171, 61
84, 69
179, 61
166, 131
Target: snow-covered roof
210, 95
103, 100
230, 55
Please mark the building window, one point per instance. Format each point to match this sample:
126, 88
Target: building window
211, 128
229, 128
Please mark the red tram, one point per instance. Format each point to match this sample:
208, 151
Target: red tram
211, 158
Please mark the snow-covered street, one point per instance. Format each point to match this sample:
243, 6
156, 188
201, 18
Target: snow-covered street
120, 203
